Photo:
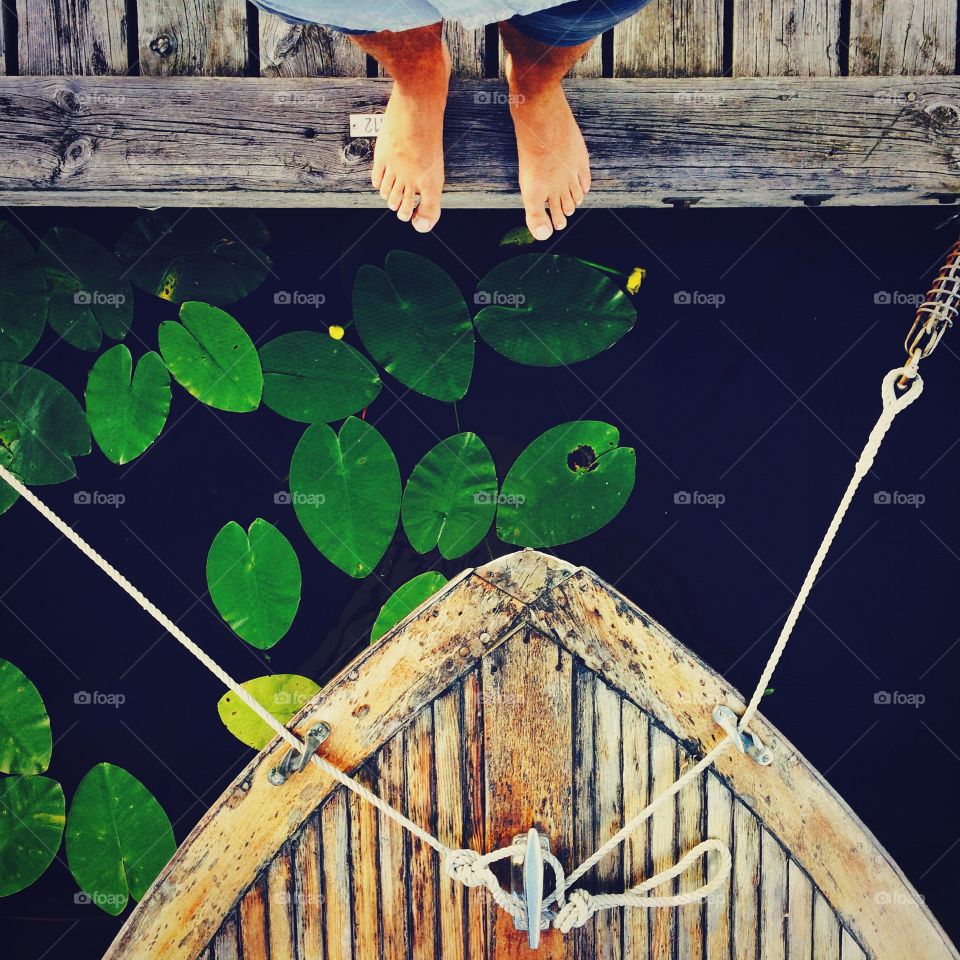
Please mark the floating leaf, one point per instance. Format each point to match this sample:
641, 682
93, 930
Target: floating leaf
314, 378
346, 491
283, 694
405, 600
23, 295
212, 358
415, 323
41, 426
451, 496
216, 256
517, 237
8, 497
548, 311
89, 295
31, 825
567, 484
254, 580
25, 740
118, 837
126, 415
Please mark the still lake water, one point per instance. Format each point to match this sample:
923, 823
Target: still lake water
759, 394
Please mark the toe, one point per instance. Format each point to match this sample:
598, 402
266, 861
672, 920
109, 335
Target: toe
406, 207
386, 184
376, 174
428, 210
396, 195
576, 191
585, 180
556, 212
567, 203
538, 223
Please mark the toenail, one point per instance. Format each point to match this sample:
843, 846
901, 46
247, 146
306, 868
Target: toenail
541, 233
422, 225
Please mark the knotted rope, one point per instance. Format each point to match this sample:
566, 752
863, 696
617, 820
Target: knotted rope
473, 869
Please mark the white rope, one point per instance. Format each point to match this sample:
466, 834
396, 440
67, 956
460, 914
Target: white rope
471, 868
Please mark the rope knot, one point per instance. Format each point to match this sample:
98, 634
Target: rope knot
467, 867
578, 909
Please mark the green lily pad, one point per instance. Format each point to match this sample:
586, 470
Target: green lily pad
25, 740
567, 484
31, 825
313, 378
346, 491
283, 694
254, 580
41, 426
212, 358
23, 295
451, 497
89, 295
118, 837
404, 600
415, 323
517, 237
215, 256
550, 311
8, 497
126, 415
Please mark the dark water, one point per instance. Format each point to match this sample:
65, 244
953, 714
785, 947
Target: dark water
764, 399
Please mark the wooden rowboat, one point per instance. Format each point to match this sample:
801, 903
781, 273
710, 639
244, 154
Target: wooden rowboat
526, 693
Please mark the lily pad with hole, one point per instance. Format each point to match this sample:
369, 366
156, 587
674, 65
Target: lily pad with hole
405, 599
313, 378
212, 358
23, 295
25, 739
451, 497
549, 311
126, 413
212, 255
89, 295
345, 489
42, 427
118, 837
414, 321
283, 694
570, 482
254, 580
31, 825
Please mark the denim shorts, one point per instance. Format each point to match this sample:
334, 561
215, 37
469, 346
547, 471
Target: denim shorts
566, 25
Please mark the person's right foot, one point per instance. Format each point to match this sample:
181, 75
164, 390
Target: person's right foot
408, 157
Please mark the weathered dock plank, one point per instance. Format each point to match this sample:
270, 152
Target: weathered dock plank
786, 38
896, 37
717, 141
66, 37
192, 37
306, 50
671, 38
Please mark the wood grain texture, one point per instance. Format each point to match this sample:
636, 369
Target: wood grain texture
786, 38
671, 38
3, 39
467, 49
296, 50
282, 930
902, 37
528, 700
434, 714
244, 142
192, 38
72, 37
364, 850
254, 939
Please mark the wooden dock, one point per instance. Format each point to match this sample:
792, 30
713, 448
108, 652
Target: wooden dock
707, 102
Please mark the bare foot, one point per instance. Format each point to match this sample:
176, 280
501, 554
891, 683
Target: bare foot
408, 157
554, 165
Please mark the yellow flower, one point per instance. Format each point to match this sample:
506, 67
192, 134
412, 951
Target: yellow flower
335, 331
635, 279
